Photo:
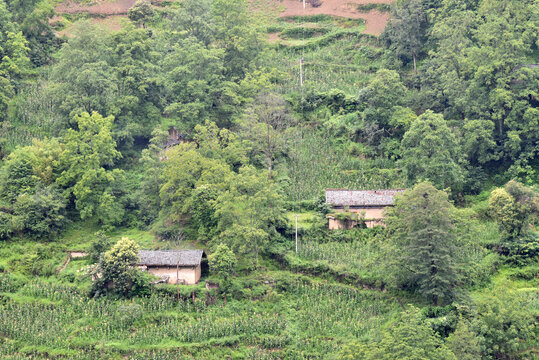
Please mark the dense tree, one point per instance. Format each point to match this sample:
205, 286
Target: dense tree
423, 242
384, 115
137, 94
141, 12
40, 215
512, 207
33, 17
83, 79
220, 144
185, 170
89, 151
30, 166
405, 32
193, 80
195, 17
14, 61
464, 343
17, 176
431, 152
410, 338
506, 325
264, 126
116, 270
222, 261
236, 35
479, 68
249, 213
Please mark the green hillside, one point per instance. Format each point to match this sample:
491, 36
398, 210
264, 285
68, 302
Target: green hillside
215, 124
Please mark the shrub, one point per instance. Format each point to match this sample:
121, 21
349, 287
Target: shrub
101, 244
116, 272
42, 214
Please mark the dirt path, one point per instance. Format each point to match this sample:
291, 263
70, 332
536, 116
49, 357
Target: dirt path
375, 20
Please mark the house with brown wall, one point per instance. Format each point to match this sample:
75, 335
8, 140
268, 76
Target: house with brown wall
183, 266
353, 207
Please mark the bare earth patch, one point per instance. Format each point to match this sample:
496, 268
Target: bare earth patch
112, 23
273, 37
100, 7
375, 20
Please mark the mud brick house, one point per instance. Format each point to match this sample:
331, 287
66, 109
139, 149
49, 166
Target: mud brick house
183, 266
353, 207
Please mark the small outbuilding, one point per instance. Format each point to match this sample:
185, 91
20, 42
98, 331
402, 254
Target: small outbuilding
175, 266
354, 207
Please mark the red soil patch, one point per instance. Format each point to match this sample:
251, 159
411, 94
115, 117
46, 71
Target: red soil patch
112, 23
100, 7
375, 20
273, 37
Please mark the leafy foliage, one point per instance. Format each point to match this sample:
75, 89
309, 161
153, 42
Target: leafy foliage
116, 271
430, 152
87, 152
409, 338
422, 235
222, 261
513, 207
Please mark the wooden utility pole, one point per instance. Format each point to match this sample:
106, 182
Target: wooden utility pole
296, 234
301, 72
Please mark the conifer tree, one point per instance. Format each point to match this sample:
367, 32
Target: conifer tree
423, 242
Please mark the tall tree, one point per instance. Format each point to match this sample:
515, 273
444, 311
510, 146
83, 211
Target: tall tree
513, 207
405, 32
185, 170
141, 12
222, 261
116, 270
423, 242
249, 213
89, 152
83, 77
431, 152
264, 126
409, 338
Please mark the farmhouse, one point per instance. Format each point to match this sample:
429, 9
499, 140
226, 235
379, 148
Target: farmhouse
183, 266
353, 207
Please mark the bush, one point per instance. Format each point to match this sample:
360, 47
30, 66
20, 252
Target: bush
524, 250
101, 244
41, 215
6, 226
299, 33
530, 272
11, 282
127, 314
116, 272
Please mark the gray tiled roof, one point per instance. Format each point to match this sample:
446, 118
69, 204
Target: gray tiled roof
170, 257
341, 197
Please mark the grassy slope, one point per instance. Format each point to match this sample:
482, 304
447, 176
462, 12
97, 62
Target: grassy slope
276, 313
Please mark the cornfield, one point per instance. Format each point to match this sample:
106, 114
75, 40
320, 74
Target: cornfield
313, 322
315, 163
356, 255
